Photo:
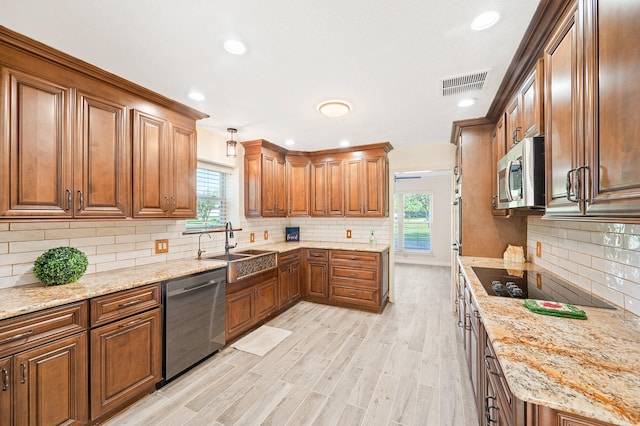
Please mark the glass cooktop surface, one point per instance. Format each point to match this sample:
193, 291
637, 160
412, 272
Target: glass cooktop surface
534, 285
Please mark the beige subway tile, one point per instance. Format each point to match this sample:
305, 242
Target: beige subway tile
40, 224
131, 238
126, 255
22, 268
25, 235
33, 246
91, 241
54, 234
579, 235
25, 257
623, 286
114, 248
632, 273
147, 245
4, 226
150, 229
4, 248
110, 266
125, 230
6, 271
153, 259
579, 258
632, 242
101, 258
608, 294
92, 224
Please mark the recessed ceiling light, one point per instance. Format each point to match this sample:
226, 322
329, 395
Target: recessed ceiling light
485, 20
334, 108
235, 47
196, 96
290, 142
345, 143
466, 102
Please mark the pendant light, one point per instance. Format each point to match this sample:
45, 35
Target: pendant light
231, 144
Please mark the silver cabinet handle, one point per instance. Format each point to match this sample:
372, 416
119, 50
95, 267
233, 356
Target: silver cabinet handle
69, 198
130, 323
17, 337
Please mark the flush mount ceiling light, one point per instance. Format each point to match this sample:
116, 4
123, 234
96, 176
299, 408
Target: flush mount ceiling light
485, 20
235, 47
466, 103
289, 142
345, 143
196, 96
231, 144
334, 108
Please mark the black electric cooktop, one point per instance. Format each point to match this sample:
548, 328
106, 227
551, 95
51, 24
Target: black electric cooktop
534, 285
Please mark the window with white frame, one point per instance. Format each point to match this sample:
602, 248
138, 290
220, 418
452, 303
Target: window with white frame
412, 221
211, 187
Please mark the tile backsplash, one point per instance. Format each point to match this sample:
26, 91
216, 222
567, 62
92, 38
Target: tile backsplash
603, 258
120, 244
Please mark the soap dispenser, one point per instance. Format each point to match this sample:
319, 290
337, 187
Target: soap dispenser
372, 238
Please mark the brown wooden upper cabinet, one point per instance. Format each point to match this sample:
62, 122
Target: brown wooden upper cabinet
524, 115
264, 179
52, 169
66, 149
298, 185
326, 186
340, 182
498, 150
591, 103
164, 168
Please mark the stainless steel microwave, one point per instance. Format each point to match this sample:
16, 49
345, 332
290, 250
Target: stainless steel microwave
521, 175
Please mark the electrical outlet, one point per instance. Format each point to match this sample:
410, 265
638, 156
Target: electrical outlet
348, 233
252, 237
162, 246
538, 249
266, 235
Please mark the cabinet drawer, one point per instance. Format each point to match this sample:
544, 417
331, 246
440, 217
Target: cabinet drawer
348, 257
354, 295
28, 331
367, 277
112, 307
317, 254
288, 257
496, 376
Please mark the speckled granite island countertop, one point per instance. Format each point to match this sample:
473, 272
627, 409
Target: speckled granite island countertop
590, 368
24, 299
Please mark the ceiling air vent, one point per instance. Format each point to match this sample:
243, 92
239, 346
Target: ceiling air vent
464, 83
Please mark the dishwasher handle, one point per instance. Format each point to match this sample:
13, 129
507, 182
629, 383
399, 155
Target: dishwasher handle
188, 287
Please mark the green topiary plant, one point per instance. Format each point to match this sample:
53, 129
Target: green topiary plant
60, 265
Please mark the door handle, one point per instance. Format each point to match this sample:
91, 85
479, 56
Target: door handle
80, 201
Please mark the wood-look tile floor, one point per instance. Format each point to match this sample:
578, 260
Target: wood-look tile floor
338, 367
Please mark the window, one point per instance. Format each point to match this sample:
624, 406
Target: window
211, 187
412, 222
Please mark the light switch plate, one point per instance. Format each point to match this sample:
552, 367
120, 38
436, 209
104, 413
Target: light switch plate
252, 237
266, 235
538, 249
348, 233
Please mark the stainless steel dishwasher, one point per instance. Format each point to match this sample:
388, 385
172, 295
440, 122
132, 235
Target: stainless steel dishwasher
194, 320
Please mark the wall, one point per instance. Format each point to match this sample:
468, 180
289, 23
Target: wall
439, 184
603, 258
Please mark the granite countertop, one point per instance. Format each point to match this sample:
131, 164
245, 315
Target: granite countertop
589, 368
29, 298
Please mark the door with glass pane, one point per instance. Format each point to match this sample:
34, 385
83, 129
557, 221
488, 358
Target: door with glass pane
412, 222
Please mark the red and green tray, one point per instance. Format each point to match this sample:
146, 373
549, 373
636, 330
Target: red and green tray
558, 309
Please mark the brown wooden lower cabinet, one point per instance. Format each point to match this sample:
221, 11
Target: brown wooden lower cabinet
289, 278
126, 353
316, 275
43, 367
542, 416
250, 301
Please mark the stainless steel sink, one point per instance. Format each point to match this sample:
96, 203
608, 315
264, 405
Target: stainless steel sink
228, 257
243, 264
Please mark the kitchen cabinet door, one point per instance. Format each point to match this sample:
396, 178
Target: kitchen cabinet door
316, 275
150, 166
514, 121
102, 159
366, 182
126, 360
532, 102
50, 383
35, 140
266, 299
298, 184
240, 312
6, 389
498, 150
612, 128
327, 188
562, 99
182, 186
273, 185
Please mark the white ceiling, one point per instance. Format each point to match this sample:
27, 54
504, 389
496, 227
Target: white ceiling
385, 57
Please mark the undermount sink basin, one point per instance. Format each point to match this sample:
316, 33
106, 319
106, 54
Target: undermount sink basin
228, 257
243, 264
